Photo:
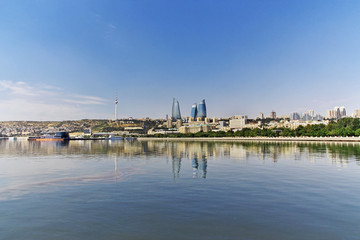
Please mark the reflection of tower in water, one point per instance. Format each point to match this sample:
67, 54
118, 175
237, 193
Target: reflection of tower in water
195, 166
203, 166
199, 165
176, 165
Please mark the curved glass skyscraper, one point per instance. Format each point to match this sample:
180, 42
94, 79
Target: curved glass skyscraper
176, 110
194, 111
202, 109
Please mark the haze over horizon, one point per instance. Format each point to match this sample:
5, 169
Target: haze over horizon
67, 59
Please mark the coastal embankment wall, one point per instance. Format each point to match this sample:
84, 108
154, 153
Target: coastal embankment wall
275, 139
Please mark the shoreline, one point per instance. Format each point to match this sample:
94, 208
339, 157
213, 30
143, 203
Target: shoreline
257, 139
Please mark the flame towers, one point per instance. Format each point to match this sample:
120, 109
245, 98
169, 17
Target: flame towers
194, 111
197, 111
202, 109
176, 110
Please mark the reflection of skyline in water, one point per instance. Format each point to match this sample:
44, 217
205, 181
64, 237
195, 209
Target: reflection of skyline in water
199, 165
198, 157
198, 152
286, 188
176, 165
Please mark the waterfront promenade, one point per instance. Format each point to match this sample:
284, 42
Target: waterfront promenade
275, 139
231, 139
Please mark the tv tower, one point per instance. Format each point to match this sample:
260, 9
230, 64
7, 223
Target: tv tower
116, 103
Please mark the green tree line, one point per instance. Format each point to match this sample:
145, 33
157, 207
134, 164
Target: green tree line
343, 127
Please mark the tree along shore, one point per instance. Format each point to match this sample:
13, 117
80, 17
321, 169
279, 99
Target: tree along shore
345, 127
257, 139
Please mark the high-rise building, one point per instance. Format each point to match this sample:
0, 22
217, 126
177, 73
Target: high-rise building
337, 112
333, 113
311, 113
273, 114
194, 111
342, 111
318, 117
294, 116
261, 115
356, 113
306, 117
202, 109
330, 114
176, 110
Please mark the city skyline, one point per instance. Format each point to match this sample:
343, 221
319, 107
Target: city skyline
64, 60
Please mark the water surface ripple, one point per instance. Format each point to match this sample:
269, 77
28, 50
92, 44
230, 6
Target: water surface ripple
179, 190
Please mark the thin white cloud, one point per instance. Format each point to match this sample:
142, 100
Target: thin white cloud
24, 89
22, 101
91, 98
18, 88
112, 26
45, 86
85, 102
83, 99
24, 109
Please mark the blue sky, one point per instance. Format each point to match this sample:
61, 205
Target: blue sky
64, 59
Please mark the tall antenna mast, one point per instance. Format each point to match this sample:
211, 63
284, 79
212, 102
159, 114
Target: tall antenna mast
116, 103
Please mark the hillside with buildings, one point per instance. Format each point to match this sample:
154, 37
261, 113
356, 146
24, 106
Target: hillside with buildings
77, 127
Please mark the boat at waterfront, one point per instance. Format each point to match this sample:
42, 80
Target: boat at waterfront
115, 138
59, 136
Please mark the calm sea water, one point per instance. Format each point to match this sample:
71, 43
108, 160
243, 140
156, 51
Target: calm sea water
179, 190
